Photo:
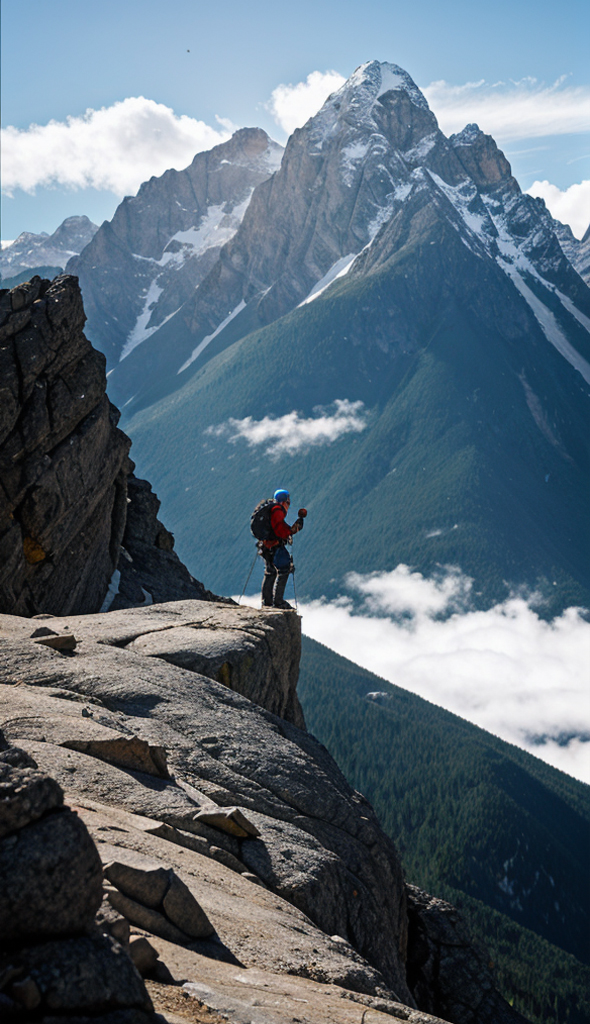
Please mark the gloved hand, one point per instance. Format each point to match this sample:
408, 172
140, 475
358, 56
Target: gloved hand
298, 524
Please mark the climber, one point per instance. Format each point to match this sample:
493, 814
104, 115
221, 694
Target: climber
273, 534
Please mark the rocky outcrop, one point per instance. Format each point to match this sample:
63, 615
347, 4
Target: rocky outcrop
66, 481
446, 972
53, 958
30, 251
144, 264
319, 847
228, 836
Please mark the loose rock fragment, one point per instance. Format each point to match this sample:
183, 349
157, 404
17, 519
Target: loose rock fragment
183, 910
229, 819
147, 886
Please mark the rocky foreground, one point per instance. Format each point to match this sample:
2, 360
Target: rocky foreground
237, 861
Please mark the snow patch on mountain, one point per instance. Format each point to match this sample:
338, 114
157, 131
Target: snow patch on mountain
206, 341
550, 327
338, 269
216, 228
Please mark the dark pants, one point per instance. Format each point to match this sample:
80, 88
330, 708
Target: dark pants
273, 581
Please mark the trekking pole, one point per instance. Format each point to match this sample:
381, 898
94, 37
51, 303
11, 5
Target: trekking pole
249, 575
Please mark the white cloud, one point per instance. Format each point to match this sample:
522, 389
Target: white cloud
506, 669
292, 433
513, 110
570, 207
293, 105
115, 148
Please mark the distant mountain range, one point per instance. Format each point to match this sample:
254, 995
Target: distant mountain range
34, 252
389, 291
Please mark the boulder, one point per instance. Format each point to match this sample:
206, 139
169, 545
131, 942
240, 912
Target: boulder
229, 819
143, 955
50, 878
147, 885
25, 795
90, 973
145, 917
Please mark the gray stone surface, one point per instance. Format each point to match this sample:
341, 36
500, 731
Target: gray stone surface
25, 795
50, 878
146, 917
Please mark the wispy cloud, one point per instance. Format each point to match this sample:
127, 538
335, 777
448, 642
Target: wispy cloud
114, 148
293, 433
293, 105
511, 110
508, 670
571, 207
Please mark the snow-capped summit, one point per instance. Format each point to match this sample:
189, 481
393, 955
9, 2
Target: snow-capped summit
356, 183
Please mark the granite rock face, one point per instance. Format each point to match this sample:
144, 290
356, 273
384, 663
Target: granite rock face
65, 474
228, 835
142, 265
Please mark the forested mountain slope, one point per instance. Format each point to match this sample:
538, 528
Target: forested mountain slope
497, 831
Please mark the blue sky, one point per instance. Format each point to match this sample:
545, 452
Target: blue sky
206, 61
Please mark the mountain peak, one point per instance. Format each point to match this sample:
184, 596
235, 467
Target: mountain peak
369, 83
375, 78
469, 134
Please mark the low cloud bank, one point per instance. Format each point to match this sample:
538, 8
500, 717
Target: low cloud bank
292, 433
506, 669
115, 148
570, 207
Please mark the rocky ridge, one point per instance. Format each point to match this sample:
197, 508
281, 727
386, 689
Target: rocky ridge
576, 250
144, 264
68, 497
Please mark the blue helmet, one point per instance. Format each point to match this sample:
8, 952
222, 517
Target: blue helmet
280, 495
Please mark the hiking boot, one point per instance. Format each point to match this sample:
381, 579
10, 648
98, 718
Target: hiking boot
284, 605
